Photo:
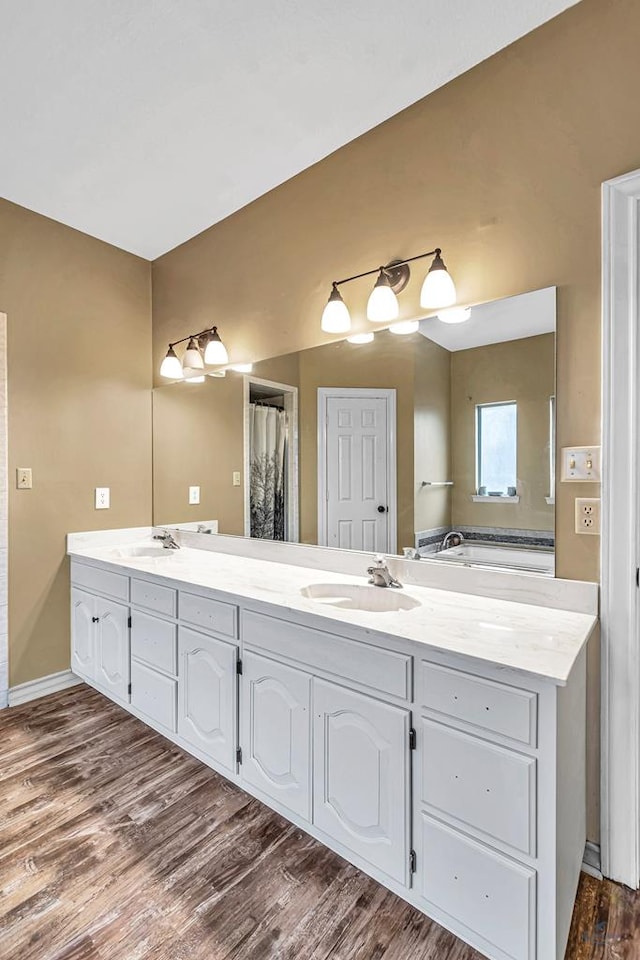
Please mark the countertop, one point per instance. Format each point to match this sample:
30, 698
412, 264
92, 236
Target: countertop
540, 641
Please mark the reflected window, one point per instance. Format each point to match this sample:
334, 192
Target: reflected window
496, 448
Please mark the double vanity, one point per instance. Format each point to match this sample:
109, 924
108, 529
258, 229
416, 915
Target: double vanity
432, 737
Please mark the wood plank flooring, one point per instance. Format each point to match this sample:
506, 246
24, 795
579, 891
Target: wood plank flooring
115, 845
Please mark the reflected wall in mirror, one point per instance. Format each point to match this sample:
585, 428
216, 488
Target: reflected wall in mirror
390, 445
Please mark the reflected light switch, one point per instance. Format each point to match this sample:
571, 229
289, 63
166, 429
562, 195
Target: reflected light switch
236, 478
194, 495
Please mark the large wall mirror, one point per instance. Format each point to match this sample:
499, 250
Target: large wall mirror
439, 443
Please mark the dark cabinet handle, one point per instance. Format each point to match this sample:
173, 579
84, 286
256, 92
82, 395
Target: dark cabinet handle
95, 619
382, 509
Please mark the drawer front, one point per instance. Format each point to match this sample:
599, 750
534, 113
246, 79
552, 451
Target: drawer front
488, 893
209, 614
154, 695
481, 785
154, 597
383, 670
102, 581
154, 641
484, 704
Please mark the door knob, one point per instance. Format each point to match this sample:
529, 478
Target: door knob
95, 619
382, 509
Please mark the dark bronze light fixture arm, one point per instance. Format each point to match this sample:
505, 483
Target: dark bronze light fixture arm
194, 336
389, 268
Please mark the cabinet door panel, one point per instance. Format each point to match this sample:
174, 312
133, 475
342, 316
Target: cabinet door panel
207, 695
276, 732
361, 774
82, 633
112, 648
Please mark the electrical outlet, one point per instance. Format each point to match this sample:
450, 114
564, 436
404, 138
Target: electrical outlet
194, 495
24, 480
236, 478
103, 498
588, 515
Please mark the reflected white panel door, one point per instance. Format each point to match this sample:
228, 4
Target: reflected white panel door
112, 648
361, 776
82, 633
207, 685
276, 731
357, 491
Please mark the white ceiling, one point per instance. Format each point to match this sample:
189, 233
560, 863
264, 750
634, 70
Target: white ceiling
144, 123
512, 318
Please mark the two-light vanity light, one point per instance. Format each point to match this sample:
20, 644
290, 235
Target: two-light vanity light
204, 349
438, 291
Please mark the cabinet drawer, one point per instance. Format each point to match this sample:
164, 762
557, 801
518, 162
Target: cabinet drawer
488, 893
481, 785
154, 695
210, 614
373, 667
154, 641
484, 704
154, 597
102, 581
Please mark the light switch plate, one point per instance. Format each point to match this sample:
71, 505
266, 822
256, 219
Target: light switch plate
236, 478
194, 495
581, 464
588, 515
103, 498
24, 478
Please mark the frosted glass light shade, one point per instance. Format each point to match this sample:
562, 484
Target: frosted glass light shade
171, 366
361, 338
382, 305
455, 315
405, 327
438, 289
335, 316
194, 379
241, 367
215, 351
192, 359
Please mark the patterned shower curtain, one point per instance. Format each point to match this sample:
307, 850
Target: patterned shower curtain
268, 454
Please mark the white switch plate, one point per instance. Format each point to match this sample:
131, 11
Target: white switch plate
103, 498
194, 495
588, 515
236, 478
581, 464
24, 478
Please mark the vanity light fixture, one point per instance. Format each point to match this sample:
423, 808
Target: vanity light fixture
455, 315
438, 290
193, 363
405, 327
361, 338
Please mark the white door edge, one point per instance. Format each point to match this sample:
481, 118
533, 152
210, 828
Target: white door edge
620, 653
324, 393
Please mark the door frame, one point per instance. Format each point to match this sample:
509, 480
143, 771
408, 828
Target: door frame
620, 529
291, 408
324, 394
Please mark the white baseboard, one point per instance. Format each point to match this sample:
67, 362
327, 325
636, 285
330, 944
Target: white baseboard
591, 861
32, 689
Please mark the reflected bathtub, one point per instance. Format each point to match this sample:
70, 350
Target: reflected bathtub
527, 559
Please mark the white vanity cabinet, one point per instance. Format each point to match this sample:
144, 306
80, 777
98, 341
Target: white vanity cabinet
457, 783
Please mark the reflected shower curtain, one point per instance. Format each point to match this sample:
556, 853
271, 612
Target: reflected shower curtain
268, 433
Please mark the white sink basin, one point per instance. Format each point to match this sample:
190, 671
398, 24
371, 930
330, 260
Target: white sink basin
147, 551
356, 597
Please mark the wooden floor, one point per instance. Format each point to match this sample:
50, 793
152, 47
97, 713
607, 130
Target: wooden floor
114, 845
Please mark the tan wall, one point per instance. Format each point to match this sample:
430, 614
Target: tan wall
79, 336
502, 169
387, 363
432, 434
520, 370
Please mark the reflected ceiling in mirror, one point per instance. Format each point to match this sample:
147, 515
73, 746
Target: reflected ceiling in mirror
397, 444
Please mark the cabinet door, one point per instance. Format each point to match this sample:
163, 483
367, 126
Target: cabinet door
112, 648
207, 687
276, 731
82, 633
361, 776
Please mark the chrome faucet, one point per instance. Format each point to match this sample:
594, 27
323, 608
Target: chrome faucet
453, 534
167, 540
380, 575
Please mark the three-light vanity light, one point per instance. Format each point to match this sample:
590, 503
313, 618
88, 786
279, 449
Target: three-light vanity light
204, 349
438, 291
